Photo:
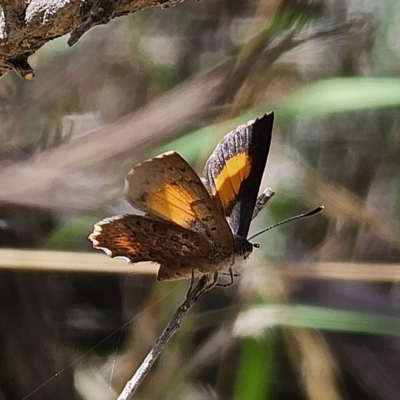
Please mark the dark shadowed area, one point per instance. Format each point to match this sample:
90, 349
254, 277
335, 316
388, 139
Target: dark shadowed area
316, 312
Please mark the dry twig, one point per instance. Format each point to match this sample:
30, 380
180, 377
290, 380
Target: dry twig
201, 286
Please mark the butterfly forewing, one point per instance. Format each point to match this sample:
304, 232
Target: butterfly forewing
234, 171
168, 188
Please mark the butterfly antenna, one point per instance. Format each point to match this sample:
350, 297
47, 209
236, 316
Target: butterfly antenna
300, 216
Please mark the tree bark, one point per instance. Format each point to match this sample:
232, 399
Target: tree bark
25, 26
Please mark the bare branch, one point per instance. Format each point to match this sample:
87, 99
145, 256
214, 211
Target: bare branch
202, 285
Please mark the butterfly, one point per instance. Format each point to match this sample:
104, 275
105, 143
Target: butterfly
193, 225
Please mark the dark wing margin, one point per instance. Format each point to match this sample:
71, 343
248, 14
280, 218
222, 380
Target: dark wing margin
234, 171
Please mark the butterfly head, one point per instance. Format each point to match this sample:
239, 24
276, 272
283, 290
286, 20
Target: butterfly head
242, 248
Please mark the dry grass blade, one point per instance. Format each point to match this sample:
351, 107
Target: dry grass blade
345, 271
62, 261
309, 351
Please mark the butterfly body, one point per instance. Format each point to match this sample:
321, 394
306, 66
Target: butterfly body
192, 226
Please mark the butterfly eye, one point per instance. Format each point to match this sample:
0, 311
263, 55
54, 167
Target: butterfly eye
256, 245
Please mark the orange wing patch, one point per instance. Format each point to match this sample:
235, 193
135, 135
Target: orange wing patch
167, 187
173, 202
228, 181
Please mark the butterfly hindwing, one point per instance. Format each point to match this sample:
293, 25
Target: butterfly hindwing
168, 188
234, 171
140, 238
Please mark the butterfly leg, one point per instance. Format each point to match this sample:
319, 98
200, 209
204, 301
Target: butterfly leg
229, 283
262, 200
213, 282
191, 284
203, 284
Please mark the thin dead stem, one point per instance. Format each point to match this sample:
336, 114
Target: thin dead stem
201, 286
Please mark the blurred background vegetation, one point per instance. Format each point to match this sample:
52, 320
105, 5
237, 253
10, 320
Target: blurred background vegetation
316, 313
